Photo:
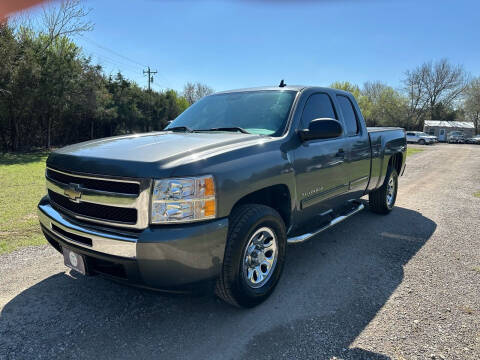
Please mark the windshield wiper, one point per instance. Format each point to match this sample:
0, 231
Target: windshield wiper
180, 129
233, 128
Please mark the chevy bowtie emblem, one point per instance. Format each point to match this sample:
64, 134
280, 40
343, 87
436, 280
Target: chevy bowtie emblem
73, 192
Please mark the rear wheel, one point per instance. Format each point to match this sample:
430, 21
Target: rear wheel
383, 199
254, 256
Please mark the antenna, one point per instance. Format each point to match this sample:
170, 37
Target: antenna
282, 83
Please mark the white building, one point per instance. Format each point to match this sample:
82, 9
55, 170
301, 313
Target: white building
441, 129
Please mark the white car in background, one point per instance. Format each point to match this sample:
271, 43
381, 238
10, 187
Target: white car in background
420, 138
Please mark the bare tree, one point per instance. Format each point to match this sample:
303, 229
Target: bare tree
432, 84
195, 91
472, 103
373, 90
67, 19
417, 103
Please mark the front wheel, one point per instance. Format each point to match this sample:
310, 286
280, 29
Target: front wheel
421, 142
382, 200
254, 256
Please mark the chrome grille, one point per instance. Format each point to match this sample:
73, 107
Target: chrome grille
110, 201
108, 213
132, 188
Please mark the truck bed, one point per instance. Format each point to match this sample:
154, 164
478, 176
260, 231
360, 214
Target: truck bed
384, 142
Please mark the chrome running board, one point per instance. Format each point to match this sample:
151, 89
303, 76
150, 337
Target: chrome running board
307, 236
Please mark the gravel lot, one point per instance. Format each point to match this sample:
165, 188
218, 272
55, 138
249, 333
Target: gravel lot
402, 286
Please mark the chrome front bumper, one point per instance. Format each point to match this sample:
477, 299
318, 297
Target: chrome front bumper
106, 243
160, 257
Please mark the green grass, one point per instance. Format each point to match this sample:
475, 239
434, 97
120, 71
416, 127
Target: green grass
477, 194
411, 151
22, 184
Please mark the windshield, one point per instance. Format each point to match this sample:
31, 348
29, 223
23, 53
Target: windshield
423, 134
257, 112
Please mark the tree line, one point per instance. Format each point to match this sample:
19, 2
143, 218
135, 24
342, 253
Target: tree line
51, 94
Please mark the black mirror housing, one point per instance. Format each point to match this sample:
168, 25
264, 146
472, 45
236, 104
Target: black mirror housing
322, 128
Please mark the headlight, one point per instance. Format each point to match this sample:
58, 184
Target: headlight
183, 200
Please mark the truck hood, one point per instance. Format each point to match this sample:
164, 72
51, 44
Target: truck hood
145, 155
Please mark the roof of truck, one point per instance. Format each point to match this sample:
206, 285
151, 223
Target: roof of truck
287, 87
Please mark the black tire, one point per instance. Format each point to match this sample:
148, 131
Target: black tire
232, 285
421, 142
378, 200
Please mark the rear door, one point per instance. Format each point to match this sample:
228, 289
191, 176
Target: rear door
357, 146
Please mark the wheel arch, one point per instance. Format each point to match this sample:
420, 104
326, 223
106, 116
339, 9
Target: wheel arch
396, 161
276, 196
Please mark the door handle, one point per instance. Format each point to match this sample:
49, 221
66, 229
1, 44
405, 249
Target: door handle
340, 153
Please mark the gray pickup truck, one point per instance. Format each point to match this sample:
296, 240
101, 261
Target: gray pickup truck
216, 197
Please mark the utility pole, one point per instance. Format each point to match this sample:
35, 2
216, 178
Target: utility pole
150, 76
149, 73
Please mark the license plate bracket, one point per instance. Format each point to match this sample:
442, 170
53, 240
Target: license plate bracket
74, 261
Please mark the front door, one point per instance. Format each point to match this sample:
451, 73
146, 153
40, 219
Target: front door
441, 135
321, 178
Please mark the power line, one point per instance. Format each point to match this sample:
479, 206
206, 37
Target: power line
112, 51
122, 64
125, 67
113, 62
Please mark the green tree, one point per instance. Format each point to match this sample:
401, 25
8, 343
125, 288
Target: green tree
347, 86
384, 105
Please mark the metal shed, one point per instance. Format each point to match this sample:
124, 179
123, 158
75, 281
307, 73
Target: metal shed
441, 129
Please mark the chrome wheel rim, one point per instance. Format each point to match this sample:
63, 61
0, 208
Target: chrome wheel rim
390, 191
260, 257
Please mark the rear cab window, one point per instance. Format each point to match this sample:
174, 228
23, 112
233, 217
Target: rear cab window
349, 115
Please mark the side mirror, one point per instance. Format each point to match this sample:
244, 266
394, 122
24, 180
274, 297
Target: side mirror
323, 128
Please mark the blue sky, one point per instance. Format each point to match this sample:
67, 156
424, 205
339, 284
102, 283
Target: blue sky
234, 44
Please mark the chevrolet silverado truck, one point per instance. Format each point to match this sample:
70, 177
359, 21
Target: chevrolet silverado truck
216, 197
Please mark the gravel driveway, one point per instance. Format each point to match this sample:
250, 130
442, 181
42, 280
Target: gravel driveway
402, 286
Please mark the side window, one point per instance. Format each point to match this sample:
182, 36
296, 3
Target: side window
349, 115
317, 106
410, 134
